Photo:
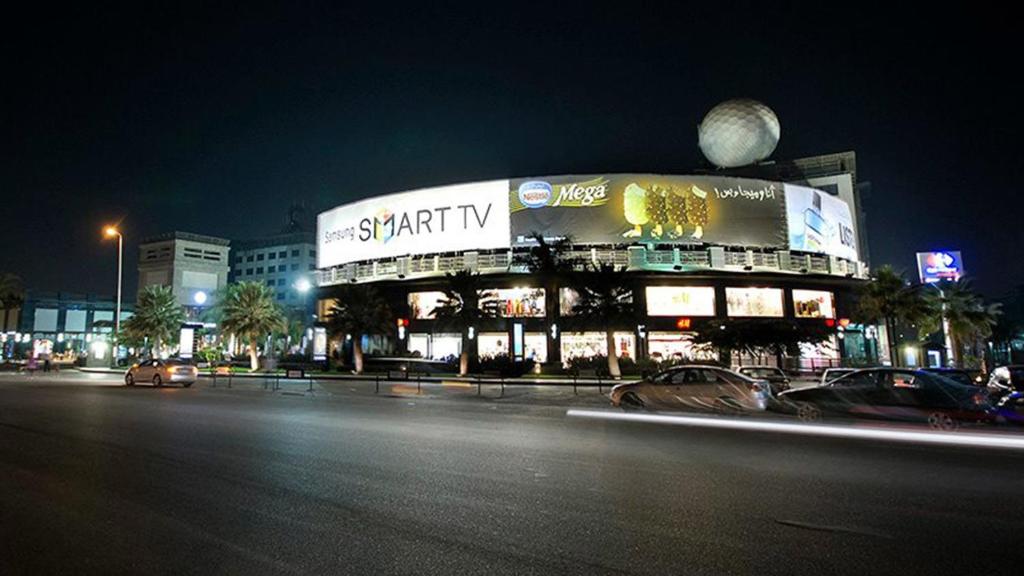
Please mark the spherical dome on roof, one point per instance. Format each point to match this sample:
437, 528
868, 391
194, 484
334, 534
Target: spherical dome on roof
738, 132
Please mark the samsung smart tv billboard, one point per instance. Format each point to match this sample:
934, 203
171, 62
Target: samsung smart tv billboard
590, 209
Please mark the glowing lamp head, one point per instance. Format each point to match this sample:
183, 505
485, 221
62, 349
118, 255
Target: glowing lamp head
303, 285
110, 231
199, 297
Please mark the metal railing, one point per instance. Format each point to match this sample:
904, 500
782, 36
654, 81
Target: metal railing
640, 257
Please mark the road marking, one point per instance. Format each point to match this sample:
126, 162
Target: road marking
925, 437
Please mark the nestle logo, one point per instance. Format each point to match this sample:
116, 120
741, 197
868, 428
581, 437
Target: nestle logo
535, 193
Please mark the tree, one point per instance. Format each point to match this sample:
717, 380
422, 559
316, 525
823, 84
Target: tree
248, 311
969, 318
158, 317
465, 304
605, 298
12, 295
550, 263
359, 310
890, 300
762, 338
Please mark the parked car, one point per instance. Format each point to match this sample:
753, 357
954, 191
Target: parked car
965, 377
776, 377
894, 394
831, 374
694, 387
159, 372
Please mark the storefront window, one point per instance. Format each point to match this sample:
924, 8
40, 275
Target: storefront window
760, 302
675, 347
588, 344
813, 304
491, 344
517, 302
567, 299
535, 346
423, 304
680, 301
436, 346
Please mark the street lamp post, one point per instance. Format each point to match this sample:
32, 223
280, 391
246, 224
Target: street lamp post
110, 232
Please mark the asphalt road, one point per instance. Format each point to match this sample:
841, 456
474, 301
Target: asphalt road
103, 479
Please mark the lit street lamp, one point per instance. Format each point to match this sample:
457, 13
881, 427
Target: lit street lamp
110, 232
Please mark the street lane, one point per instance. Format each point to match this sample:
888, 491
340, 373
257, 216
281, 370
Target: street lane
106, 479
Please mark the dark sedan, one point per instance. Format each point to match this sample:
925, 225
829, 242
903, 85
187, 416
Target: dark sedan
892, 394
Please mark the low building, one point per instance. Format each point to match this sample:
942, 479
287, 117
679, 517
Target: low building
195, 266
701, 250
285, 262
61, 323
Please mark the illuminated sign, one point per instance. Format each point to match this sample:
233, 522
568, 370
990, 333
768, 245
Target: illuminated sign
423, 304
680, 301
938, 266
813, 304
683, 323
429, 221
763, 302
515, 302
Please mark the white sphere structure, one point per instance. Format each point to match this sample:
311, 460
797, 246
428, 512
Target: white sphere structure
738, 132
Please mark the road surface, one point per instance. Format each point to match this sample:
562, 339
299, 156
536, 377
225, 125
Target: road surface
102, 479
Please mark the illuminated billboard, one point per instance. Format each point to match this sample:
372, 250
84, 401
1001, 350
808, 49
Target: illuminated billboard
936, 266
515, 302
423, 304
813, 304
429, 221
754, 302
680, 301
590, 209
618, 208
819, 222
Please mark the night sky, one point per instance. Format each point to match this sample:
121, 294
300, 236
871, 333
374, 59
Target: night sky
214, 120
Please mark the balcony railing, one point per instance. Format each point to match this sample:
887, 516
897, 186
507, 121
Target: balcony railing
655, 259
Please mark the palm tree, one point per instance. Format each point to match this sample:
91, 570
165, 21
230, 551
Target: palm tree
967, 315
12, 295
248, 311
890, 300
606, 298
550, 263
158, 317
465, 304
359, 310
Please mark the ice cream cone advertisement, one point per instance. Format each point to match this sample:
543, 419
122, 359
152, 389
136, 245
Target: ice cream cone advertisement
649, 208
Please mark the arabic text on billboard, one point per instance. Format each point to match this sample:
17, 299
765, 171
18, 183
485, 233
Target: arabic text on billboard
625, 208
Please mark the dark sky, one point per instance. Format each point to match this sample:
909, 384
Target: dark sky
214, 119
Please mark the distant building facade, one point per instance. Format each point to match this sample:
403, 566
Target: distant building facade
195, 266
284, 262
60, 322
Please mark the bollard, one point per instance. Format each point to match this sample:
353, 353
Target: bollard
376, 379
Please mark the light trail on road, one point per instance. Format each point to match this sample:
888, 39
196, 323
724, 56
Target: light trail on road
940, 438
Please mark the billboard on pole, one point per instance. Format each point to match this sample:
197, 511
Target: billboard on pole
937, 266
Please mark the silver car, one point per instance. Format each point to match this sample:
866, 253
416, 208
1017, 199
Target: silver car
160, 372
695, 387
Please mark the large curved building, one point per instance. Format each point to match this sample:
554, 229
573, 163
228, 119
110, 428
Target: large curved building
701, 248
